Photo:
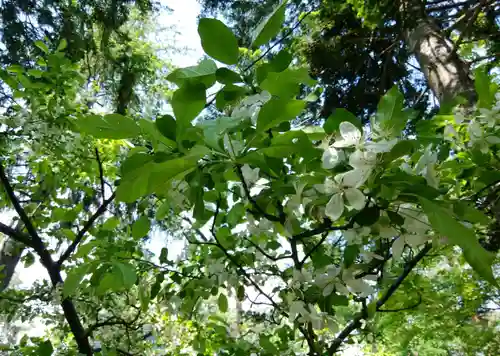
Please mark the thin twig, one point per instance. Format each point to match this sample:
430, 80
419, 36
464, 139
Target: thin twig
279, 41
88, 225
315, 247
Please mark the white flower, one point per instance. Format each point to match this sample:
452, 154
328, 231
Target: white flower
351, 135
297, 308
477, 137
364, 160
406, 239
355, 235
425, 167
344, 186
488, 117
250, 106
330, 158
368, 256
250, 175
381, 146
356, 285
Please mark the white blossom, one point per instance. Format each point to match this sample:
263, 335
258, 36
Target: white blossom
351, 135
343, 186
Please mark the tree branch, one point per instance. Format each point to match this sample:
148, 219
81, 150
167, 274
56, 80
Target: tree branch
101, 173
83, 231
16, 235
37, 242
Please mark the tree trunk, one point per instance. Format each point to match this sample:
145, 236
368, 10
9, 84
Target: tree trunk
447, 75
10, 254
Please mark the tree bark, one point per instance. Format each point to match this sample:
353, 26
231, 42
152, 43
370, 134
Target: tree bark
447, 75
10, 254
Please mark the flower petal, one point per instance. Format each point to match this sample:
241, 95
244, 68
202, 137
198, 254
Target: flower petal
330, 158
360, 159
355, 198
349, 132
381, 146
354, 178
328, 290
335, 207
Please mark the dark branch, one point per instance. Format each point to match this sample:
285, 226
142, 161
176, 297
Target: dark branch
101, 173
315, 247
83, 231
16, 235
37, 242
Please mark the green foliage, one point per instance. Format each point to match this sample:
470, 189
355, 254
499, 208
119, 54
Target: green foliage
270, 26
322, 231
218, 41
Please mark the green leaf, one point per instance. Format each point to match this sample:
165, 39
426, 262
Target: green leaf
167, 126
227, 76
395, 218
485, 88
163, 210
45, 348
204, 73
390, 118
267, 345
29, 259
141, 227
73, 280
214, 130
276, 111
128, 275
62, 45
332, 124
270, 26
111, 126
368, 216
444, 224
400, 149
222, 303
155, 288
286, 84
42, 46
15, 68
218, 41
280, 62
164, 255
187, 102
230, 93
468, 213
111, 224
350, 254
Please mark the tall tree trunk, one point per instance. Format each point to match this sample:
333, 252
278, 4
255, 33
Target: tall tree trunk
446, 73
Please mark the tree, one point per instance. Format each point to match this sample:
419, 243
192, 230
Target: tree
326, 228
360, 49
114, 66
